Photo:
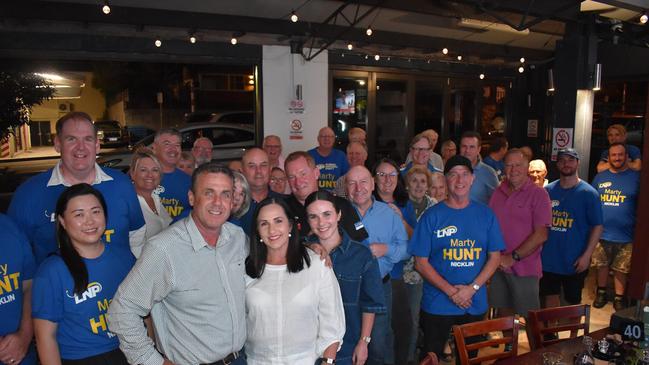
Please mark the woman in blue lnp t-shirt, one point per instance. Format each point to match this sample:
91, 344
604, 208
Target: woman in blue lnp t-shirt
72, 289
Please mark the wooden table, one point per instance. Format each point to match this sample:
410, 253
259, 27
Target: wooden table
568, 349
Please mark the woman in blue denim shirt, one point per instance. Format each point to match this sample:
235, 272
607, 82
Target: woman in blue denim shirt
357, 272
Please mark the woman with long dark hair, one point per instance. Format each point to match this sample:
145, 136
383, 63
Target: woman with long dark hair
357, 272
294, 311
73, 288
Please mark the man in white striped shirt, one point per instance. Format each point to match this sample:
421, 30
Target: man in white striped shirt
190, 277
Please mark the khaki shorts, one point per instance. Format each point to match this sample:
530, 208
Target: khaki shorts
615, 255
520, 293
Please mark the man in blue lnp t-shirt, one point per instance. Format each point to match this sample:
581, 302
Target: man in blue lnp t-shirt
576, 227
616, 133
174, 184
33, 203
331, 162
618, 189
457, 246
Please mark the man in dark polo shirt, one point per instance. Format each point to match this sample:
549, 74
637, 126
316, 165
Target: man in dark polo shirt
302, 175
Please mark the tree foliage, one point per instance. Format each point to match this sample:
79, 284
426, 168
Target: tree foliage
19, 92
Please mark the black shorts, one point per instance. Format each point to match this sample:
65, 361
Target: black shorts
551, 284
114, 357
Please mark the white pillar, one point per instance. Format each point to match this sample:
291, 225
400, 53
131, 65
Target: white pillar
584, 129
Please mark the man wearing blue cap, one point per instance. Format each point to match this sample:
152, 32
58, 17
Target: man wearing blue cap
576, 227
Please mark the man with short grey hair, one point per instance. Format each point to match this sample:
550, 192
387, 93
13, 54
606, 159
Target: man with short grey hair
356, 156
190, 278
273, 147
174, 182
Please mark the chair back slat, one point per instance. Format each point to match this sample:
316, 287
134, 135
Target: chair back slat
554, 320
462, 332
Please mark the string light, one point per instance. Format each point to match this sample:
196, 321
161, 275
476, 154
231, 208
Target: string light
158, 42
522, 59
459, 57
294, 17
521, 69
106, 8
644, 18
445, 50
192, 38
350, 46
377, 57
481, 76
234, 40
369, 31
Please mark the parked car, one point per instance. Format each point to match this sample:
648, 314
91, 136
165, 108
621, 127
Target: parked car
137, 132
230, 142
234, 117
110, 132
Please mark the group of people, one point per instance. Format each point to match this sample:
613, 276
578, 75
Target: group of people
312, 258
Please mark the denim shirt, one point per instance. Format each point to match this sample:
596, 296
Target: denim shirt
361, 289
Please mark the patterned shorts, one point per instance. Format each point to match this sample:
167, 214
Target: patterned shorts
613, 254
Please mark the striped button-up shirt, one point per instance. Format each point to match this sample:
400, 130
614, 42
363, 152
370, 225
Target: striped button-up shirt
194, 292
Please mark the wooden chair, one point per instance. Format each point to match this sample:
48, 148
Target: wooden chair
554, 320
461, 333
430, 359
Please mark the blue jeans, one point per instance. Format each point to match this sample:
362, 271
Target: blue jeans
382, 331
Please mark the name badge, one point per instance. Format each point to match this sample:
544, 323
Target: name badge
359, 225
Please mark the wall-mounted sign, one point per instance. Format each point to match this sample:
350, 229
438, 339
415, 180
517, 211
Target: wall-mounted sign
295, 130
296, 106
561, 138
532, 128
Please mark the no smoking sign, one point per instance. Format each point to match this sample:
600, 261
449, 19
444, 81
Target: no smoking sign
561, 138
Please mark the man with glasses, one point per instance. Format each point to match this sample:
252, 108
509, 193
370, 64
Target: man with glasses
388, 242
202, 150
175, 183
331, 162
273, 147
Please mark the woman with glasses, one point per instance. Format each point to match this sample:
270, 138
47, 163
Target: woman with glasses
73, 288
389, 189
421, 151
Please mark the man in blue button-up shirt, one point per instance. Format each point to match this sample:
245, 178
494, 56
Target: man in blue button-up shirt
388, 243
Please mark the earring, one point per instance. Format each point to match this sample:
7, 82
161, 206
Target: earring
289, 234
261, 240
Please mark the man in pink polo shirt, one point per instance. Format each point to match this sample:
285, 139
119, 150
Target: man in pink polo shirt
524, 212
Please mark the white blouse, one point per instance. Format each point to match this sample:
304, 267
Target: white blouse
154, 222
293, 317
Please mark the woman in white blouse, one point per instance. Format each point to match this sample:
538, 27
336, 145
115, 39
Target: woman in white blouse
146, 173
294, 309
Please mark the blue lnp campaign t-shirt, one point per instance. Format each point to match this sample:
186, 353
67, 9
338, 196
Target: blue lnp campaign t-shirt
633, 152
618, 194
574, 212
457, 243
82, 330
33, 204
16, 265
498, 166
331, 167
173, 190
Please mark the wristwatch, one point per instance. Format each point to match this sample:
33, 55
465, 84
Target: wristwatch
475, 286
366, 339
326, 360
515, 256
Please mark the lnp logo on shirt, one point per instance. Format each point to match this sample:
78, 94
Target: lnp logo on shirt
605, 184
446, 231
94, 288
555, 203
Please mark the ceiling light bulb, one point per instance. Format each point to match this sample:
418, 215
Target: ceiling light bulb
192, 39
350, 46
158, 42
366, 56
389, 58
106, 8
459, 57
369, 31
294, 17
481, 76
521, 69
445, 50
377, 57
644, 18
233, 40
522, 59
428, 61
